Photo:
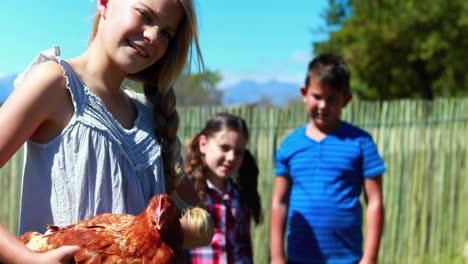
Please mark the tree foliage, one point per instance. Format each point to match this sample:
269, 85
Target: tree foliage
401, 48
199, 89
192, 89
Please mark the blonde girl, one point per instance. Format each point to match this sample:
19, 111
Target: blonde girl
92, 147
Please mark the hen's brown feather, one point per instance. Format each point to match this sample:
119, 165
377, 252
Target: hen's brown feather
120, 238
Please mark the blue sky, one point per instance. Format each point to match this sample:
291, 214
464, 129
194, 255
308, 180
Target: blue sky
255, 40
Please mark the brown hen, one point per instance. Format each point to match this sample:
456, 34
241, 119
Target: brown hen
154, 236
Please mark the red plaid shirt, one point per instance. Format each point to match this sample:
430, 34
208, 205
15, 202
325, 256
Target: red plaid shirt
231, 241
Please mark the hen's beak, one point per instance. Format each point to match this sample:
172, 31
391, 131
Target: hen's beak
158, 223
159, 214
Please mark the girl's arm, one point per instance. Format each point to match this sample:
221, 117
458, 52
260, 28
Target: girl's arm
374, 219
279, 209
12, 250
34, 110
196, 222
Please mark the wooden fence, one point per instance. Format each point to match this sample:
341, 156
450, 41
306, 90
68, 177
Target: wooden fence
423, 144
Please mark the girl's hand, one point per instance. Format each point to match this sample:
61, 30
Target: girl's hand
198, 228
12, 250
63, 255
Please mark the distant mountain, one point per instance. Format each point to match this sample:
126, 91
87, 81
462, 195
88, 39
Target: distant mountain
250, 92
244, 92
6, 86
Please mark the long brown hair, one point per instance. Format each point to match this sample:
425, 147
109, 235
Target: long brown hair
247, 176
157, 85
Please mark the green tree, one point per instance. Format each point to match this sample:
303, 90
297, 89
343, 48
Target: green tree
192, 89
199, 89
398, 48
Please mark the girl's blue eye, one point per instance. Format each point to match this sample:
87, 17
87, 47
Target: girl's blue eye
144, 16
147, 19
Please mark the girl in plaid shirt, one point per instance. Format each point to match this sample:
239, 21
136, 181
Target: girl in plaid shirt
225, 175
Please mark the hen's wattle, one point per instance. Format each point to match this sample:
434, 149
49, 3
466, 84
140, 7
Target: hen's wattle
154, 236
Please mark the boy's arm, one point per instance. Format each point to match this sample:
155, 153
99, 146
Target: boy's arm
279, 210
374, 219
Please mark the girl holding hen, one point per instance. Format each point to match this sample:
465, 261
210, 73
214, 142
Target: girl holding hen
225, 175
92, 147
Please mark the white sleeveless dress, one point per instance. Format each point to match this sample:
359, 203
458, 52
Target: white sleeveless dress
94, 166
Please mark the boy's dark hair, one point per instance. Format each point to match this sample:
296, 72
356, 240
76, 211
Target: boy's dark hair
330, 70
247, 176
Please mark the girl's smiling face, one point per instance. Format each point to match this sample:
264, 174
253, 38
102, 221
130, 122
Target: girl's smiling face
137, 33
223, 155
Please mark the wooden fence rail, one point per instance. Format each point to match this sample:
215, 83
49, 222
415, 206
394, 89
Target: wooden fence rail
423, 144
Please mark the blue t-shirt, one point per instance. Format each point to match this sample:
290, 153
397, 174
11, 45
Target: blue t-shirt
325, 215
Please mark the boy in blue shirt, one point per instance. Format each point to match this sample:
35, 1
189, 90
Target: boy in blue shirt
321, 168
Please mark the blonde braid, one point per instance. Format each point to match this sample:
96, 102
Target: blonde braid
157, 87
167, 124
